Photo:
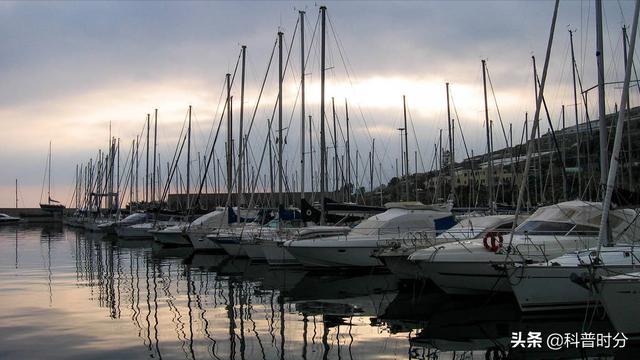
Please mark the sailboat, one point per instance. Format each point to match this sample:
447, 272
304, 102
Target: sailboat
51, 204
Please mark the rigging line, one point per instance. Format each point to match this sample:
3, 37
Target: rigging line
306, 61
344, 142
313, 36
464, 141
621, 11
562, 87
612, 66
174, 167
275, 105
264, 80
308, 56
176, 155
213, 146
44, 177
295, 102
584, 102
345, 63
585, 41
415, 136
495, 99
634, 67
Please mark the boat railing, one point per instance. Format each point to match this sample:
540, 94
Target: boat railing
530, 251
413, 240
406, 238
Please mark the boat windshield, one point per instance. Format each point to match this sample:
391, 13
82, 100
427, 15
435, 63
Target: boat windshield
554, 228
134, 217
369, 226
285, 224
462, 232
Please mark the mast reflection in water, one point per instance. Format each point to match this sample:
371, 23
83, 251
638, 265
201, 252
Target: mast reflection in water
71, 294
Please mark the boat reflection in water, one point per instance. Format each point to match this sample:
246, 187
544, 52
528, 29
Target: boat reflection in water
89, 296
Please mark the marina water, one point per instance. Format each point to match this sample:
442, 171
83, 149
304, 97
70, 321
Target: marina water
70, 294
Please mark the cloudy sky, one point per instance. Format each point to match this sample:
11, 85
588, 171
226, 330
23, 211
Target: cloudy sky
69, 69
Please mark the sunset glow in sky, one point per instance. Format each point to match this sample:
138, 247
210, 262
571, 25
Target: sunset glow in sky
72, 68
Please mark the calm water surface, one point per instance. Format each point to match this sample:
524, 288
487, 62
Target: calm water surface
68, 294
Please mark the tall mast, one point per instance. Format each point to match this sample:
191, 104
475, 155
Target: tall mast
109, 172
537, 142
155, 151
271, 181
118, 179
280, 140
440, 160
49, 177
229, 135
601, 101
629, 152
451, 153
146, 172
323, 10
371, 169
302, 104
137, 165
335, 144
486, 124
189, 160
536, 118
241, 133
575, 101
311, 153
76, 191
603, 235
133, 154
406, 145
564, 158
348, 150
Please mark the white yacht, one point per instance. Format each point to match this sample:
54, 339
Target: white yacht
470, 266
174, 235
136, 231
244, 239
98, 223
355, 249
229, 240
211, 223
277, 254
131, 219
567, 282
395, 258
140, 231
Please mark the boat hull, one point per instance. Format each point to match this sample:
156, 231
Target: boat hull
200, 242
277, 255
171, 238
550, 288
128, 232
254, 250
232, 246
335, 256
400, 266
465, 278
620, 298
